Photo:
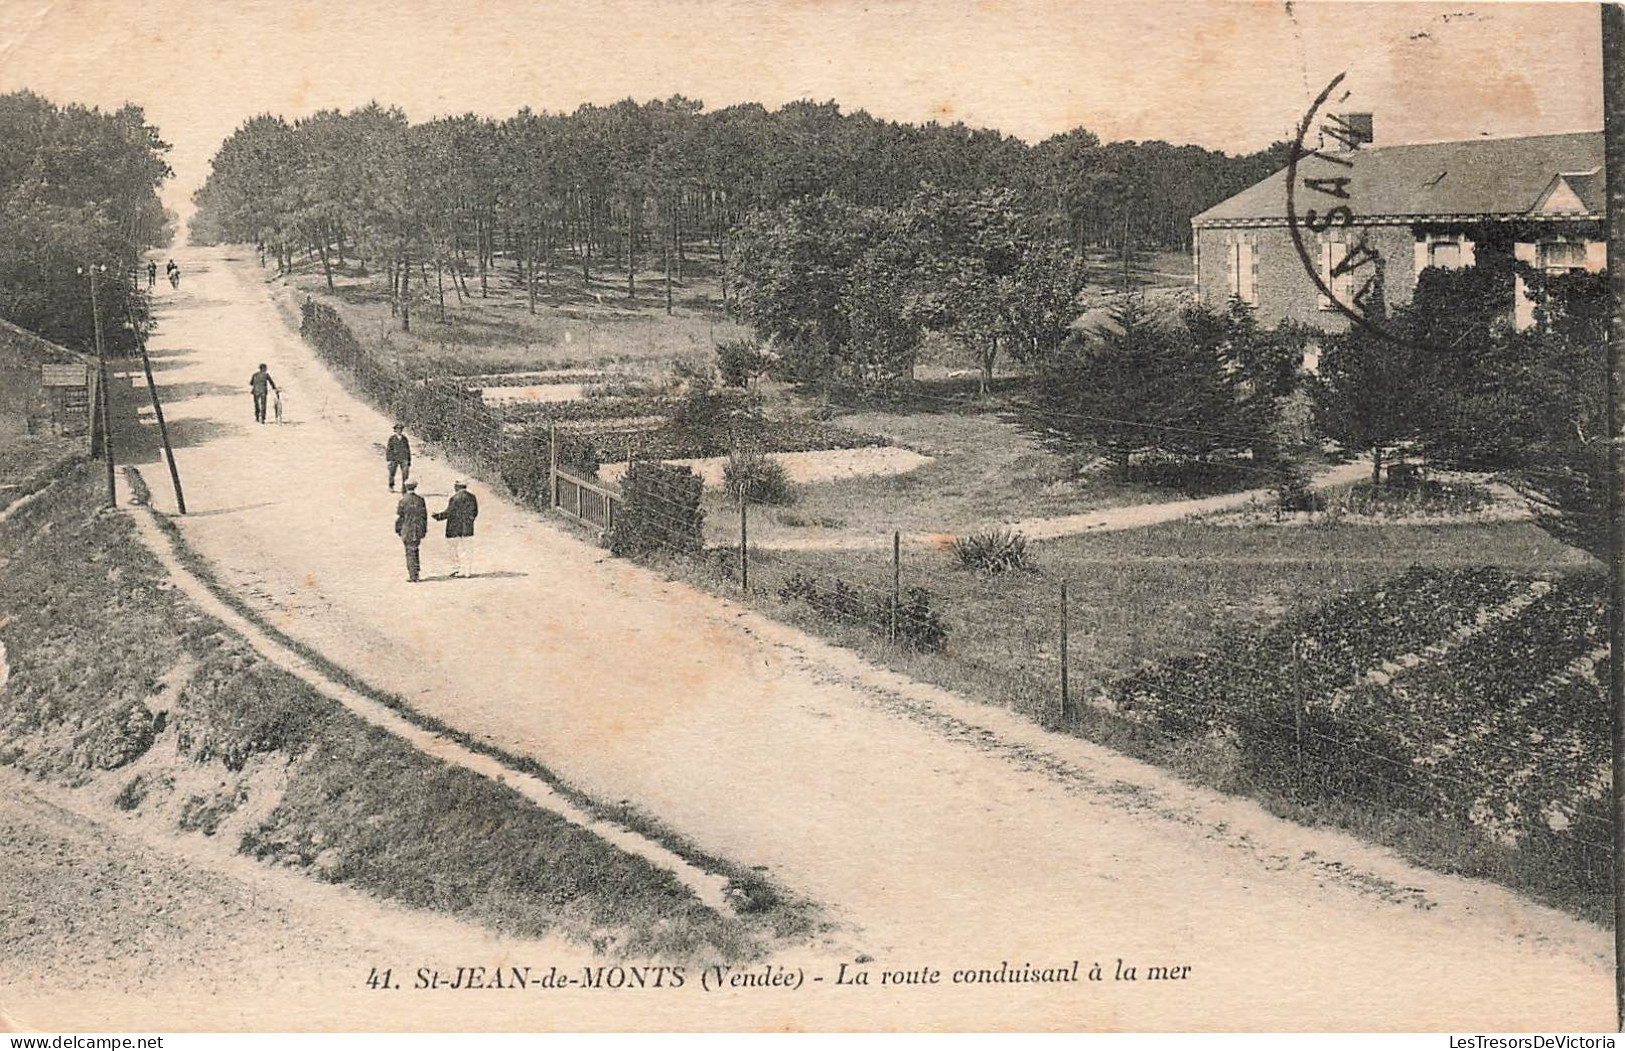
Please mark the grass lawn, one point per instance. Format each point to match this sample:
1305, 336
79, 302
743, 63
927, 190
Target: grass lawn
573, 326
983, 471
1135, 596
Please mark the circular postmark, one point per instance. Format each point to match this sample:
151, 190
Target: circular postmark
1346, 268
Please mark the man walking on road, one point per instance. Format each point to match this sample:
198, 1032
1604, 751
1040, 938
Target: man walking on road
398, 454
260, 383
152, 273
459, 515
411, 525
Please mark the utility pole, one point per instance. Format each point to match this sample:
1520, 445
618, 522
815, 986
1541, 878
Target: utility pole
101, 385
1613, 109
158, 413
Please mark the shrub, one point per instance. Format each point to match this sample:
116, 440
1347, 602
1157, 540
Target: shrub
660, 512
1191, 476
919, 625
1293, 491
524, 468
751, 476
740, 361
710, 420
995, 551
1418, 497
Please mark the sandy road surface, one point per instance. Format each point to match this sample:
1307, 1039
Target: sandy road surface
941, 833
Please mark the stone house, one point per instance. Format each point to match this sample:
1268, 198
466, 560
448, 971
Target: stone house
1539, 199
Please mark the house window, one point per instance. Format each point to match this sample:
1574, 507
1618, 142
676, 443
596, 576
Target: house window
1332, 253
1242, 267
1446, 254
1562, 257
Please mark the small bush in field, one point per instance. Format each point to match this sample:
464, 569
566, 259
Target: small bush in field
739, 361
751, 476
1293, 491
995, 551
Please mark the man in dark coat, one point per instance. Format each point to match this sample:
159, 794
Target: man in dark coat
411, 525
459, 515
398, 454
260, 383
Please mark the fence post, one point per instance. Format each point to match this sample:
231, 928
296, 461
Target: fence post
744, 544
552, 466
1066, 695
1297, 704
896, 579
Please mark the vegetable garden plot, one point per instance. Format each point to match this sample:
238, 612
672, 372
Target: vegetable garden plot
1317, 655
1494, 719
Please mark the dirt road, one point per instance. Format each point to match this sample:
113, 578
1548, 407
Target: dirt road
941, 833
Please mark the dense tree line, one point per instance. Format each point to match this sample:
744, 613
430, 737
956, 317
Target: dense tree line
615, 189
78, 188
845, 293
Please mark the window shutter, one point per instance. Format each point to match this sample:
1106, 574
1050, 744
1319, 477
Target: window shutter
1232, 267
1246, 272
1322, 299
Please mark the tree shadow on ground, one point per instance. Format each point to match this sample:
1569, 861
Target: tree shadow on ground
178, 392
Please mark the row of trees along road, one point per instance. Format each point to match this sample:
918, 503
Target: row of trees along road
78, 187
628, 183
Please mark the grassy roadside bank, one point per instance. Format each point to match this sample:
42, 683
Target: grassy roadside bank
119, 686
28, 463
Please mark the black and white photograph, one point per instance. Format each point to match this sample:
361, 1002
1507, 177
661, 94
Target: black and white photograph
764, 516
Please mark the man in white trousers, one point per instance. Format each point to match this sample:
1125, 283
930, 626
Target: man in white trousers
459, 515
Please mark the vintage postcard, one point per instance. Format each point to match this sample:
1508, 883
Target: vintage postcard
783, 515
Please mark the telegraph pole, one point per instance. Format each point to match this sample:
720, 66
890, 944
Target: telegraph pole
101, 385
158, 413
1613, 109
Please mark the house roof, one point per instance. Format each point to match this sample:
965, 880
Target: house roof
1502, 177
24, 345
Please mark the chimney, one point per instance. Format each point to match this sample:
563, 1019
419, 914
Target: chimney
1346, 131
1364, 131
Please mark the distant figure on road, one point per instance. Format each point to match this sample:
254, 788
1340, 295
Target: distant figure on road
398, 454
174, 273
152, 273
411, 525
459, 515
261, 384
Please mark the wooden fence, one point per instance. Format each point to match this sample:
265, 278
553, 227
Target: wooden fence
585, 501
